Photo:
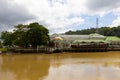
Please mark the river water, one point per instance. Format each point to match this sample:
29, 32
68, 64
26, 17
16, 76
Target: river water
61, 66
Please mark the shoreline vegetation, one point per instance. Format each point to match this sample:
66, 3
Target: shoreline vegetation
3, 50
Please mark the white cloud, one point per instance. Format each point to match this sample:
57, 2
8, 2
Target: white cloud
116, 22
102, 7
62, 15
12, 14
54, 13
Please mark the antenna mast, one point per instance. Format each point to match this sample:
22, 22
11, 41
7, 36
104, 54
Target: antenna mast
96, 25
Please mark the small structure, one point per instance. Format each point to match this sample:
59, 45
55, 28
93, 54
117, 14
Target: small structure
58, 42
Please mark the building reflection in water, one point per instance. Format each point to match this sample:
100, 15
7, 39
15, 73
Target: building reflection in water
84, 70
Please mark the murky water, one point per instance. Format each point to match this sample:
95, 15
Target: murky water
61, 66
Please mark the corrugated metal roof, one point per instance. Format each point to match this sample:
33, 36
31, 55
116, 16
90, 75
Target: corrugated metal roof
75, 37
80, 37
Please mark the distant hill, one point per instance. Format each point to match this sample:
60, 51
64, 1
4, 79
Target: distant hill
106, 31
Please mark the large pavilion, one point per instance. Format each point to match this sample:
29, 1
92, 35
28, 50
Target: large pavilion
66, 41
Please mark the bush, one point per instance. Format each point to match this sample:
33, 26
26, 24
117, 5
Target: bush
3, 49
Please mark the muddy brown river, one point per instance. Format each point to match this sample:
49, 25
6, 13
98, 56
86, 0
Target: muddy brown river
61, 66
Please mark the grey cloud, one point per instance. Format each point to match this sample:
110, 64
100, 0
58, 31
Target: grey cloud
102, 4
12, 14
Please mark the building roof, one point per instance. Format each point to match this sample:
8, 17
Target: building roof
113, 38
96, 35
89, 41
79, 37
75, 37
71, 37
57, 38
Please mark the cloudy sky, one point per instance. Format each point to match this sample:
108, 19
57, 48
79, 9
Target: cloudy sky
59, 16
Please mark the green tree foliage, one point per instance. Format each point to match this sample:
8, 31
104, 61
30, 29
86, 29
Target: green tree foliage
7, 38
37, 34
20, 34
0, 44
85, 31
107, 31
25, 35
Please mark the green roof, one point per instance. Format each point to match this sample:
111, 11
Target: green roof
96, 35
112, 38
89, 41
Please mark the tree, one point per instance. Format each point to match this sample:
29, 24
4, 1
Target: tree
20, 34
0, 44
106, 31
7, 38
25, 35
37, 35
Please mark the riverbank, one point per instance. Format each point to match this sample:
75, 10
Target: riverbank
53, 50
